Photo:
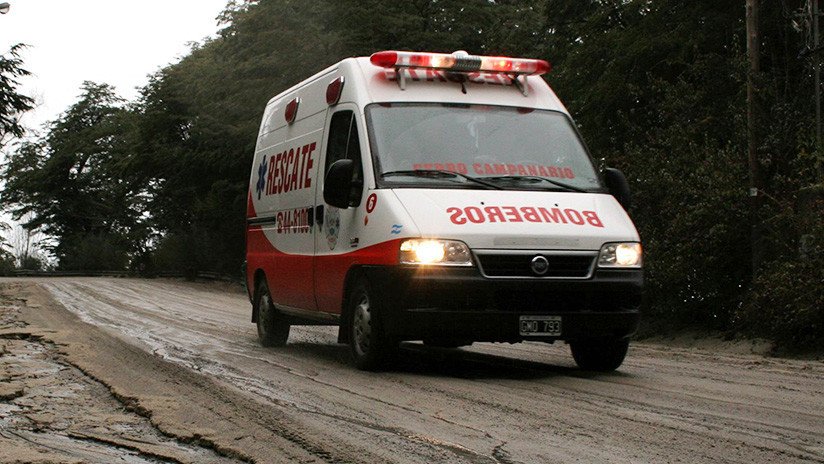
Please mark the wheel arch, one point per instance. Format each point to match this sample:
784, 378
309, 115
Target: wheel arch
352, 275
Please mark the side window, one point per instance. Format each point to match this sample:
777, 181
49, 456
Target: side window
343, 143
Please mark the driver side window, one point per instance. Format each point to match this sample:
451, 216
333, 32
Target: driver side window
343, 143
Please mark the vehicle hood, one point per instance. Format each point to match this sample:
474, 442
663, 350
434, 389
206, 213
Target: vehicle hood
507, 219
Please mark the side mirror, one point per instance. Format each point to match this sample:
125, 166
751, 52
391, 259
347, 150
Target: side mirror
337, 185
618, 187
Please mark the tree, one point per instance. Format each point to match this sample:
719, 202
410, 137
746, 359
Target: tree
12, 106
71, 184
12, 103
658, 90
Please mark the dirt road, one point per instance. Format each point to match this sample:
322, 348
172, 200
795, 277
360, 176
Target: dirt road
184, 361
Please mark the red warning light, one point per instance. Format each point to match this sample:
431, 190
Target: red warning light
385, 59
334, 91
292, 110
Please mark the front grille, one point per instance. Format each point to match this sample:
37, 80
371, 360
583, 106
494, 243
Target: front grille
519, 265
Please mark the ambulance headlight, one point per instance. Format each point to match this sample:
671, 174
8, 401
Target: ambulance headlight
439, 252
620, 255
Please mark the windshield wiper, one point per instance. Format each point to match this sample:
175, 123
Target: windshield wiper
440, 173
562, 185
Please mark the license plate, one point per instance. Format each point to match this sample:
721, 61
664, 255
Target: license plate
540, 326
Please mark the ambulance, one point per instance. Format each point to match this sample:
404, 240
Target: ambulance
442, 198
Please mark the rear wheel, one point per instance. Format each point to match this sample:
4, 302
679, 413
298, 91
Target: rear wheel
272, 326
602, 355
371, 348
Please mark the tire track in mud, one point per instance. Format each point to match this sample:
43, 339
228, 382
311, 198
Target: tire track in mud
192, 360
488, 403
160, 392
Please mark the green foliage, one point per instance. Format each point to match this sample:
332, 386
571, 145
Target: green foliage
615, 61
787, 305
175, 254
94, 251
690, 198
787, 301
658, 90
6, 263
476, 26
4, 228
691, 217
31, 263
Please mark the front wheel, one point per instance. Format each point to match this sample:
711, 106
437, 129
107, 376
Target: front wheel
371, 348
602, 355
272, 326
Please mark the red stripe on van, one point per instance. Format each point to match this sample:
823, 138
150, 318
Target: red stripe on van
250, 206
291, 278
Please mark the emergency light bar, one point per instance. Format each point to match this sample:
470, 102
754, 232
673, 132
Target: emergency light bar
460, 62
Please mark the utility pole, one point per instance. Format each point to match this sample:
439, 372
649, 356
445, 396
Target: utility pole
753, 82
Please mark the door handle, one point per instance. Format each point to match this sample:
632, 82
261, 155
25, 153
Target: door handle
319, 215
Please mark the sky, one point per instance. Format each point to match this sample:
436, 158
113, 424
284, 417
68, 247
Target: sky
106, 41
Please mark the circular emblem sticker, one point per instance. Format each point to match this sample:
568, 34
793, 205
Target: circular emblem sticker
371, 202
331, 225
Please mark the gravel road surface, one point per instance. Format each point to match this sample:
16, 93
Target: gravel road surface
184, 360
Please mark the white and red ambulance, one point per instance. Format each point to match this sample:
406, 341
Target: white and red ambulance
438, 197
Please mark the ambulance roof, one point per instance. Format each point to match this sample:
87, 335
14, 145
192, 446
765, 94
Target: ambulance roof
366, 83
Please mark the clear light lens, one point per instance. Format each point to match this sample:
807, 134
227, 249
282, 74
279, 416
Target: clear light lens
442, 252
442, 61
620, 255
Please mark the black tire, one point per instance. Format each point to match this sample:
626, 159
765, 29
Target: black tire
371, 348
601, 355
272, 326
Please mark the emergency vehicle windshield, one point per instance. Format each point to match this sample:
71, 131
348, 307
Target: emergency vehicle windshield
477, 146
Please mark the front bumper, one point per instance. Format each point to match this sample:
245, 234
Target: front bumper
461, 304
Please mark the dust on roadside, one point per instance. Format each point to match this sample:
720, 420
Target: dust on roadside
218, 286
713, 341
51, 411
